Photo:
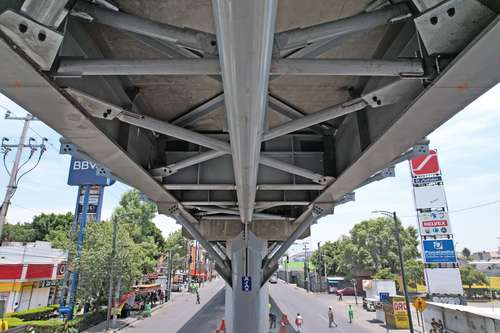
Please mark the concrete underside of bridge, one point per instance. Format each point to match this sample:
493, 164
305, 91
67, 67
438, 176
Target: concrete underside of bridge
244, 120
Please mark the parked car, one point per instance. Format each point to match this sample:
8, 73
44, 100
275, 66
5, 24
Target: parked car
273, 279
347, 291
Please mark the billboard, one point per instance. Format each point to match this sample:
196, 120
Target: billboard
429, 197
444, 281
434, 223
83, 172
439, 251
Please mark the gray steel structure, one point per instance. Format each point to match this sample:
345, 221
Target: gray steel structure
241, 117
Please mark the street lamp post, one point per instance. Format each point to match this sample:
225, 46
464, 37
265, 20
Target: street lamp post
401, 263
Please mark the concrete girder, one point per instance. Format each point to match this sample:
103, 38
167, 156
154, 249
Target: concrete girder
232, 187
47, 12
226, 229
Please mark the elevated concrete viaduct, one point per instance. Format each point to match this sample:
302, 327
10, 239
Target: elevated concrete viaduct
247, 120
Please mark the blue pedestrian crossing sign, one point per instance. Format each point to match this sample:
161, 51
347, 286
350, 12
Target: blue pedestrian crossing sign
246, 283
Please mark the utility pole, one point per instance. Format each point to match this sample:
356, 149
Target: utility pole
401, 263
16, 167
111, 273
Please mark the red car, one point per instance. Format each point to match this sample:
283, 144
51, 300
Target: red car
348, 291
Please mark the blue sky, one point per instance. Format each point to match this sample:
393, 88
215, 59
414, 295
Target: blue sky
469, 153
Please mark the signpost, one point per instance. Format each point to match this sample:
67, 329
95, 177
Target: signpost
246, 283
420, 305
441, 272
85, 175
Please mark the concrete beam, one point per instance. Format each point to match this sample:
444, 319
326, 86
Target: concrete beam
225, 230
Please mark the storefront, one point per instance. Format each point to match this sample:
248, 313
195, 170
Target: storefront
30, 275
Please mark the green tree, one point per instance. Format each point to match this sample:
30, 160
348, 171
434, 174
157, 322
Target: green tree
414, 271
178, 244
330, 252
384, 274
137, 217
466, 253
43, 224
470, 276
370, 247
20, 232
96, 260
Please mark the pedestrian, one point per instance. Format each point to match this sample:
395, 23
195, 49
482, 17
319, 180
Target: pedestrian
197, 297
298, 322
272, 320
331, 320
16, 307
434, 326
440, 326
350, 312
284, 324
340, 295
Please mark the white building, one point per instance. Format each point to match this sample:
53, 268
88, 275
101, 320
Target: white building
29, 274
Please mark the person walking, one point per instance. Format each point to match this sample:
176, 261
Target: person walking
299, 321
331, 320
340, 295
350, 313
272, 320
284, 324
197, 297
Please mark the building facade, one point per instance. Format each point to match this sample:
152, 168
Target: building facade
30, 274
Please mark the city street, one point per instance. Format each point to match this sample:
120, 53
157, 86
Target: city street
172, 317
314, 309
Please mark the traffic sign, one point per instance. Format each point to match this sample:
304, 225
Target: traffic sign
424, 165
439, 251
384, 297
246, 283
420, 304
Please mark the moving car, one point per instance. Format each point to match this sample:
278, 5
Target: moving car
273, 279
347, 291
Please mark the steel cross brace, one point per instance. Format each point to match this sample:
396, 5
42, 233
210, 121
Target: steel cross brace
105, 110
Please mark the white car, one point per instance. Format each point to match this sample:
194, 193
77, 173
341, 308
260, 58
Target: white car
273, 279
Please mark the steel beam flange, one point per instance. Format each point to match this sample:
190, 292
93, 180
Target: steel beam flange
38, 42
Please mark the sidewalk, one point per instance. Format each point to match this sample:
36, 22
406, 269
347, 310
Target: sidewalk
162, 312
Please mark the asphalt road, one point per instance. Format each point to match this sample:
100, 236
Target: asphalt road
314, 309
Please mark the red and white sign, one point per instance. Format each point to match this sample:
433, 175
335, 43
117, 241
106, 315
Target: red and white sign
425, 164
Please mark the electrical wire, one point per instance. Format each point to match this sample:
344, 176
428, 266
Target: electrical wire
29, 170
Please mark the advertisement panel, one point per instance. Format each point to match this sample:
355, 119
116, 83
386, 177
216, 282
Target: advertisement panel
444, 281
83, 172
434, 223
425, 165
430, 197
439, 251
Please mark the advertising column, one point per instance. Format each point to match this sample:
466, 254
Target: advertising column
442, 275
83, 174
